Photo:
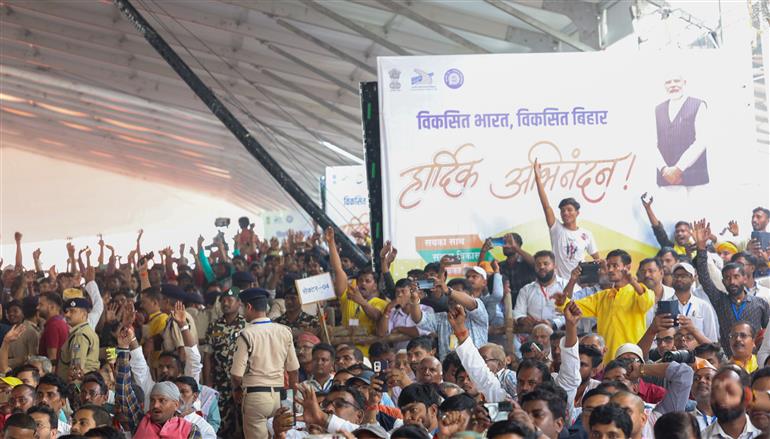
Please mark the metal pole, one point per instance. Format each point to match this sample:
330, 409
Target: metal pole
239, 131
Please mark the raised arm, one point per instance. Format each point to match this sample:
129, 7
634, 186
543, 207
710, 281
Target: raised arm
125, 398
471, 359
525, 256
100, 259
36, 260
387, 256
97, 304
19, 263
659, 323
340, 278
701, 233
550, 218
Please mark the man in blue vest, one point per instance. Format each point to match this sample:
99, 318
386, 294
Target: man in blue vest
680, 122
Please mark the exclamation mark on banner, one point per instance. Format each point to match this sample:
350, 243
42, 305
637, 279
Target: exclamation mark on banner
628, 174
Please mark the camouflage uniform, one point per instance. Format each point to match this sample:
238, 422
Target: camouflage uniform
304, 322
221, 339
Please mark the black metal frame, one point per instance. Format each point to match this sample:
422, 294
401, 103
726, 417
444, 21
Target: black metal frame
239, 131
370, 115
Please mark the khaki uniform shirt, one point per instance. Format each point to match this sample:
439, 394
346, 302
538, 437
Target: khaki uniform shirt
172, 336
263, 352
84, 340
203, 318
25, 346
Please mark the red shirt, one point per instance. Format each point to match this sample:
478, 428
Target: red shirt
55, 333
651, 393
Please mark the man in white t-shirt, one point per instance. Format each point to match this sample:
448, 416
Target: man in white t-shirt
569, 242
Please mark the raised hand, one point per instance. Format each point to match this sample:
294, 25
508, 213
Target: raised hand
732, 226
329, 235
559, 298
572, 313
14, 334
139, 235
701, 232
111, 314
575, 274
282, 422
17, 236
456, 317
200, 241
647, 202
35, 255
90, 274
128, 315
125, 337
510, 242
414, 297
662, 322
495, 266
451, 423
179, 315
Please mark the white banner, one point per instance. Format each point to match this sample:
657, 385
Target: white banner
347, 198
315, 289
460, 133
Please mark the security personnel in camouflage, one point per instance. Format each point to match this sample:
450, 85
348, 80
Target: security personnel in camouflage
220, 337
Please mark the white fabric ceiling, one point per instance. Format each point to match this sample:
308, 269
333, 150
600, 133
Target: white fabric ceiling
80, 84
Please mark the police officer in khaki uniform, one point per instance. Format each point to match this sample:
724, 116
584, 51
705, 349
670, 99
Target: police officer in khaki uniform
81, 350
264, 350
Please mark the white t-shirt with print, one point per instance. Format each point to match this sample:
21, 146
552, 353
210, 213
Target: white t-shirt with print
570, 247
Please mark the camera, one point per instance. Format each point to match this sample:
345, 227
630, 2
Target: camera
684, 357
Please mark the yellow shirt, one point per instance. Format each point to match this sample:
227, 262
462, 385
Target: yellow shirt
750, 365
353, 311
157, 323
620, 315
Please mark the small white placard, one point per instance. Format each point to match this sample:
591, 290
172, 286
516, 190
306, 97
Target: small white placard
315, 288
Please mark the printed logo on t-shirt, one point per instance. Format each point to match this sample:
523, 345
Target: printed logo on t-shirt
571, 249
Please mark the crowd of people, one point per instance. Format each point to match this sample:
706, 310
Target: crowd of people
215, 342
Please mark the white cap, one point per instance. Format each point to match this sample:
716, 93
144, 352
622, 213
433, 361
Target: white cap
629, 348
480, 271
684, 265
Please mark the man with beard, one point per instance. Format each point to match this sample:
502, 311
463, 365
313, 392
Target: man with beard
700, 392
760, 382
697, 310
55, 329
534, 304
734, 306
294, 317
729, 401
620, 311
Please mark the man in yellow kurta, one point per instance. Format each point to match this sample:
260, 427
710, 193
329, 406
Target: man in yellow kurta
360, 305
620, 311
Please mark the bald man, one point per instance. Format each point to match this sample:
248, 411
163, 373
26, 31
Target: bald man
634, 406
429, 371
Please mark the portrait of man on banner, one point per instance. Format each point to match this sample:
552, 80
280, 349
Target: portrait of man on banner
682, 138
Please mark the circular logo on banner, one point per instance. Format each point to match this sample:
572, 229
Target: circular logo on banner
453, 78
